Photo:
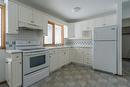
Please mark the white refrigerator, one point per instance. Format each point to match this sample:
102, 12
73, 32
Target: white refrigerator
105, 49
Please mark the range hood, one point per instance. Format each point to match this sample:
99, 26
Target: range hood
23, 25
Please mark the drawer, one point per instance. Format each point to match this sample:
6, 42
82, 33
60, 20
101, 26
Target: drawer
16, 57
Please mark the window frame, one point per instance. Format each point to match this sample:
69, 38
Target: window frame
53, 34
3, 27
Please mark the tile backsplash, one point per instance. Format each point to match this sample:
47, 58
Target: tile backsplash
78, 42
23, 34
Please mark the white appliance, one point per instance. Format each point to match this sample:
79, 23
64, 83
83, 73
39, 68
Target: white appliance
35, 61
105, 49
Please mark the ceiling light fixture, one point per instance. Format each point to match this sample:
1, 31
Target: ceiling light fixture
76, 9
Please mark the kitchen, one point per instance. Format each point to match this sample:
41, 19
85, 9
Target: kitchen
40, 45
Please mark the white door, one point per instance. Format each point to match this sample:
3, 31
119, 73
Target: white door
105, 33
105, 56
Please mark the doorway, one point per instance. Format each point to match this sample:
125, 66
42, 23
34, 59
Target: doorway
126, 38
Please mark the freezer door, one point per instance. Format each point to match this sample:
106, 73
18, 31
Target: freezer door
105, 56
105, 33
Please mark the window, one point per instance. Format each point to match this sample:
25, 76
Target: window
55, 34
2, 26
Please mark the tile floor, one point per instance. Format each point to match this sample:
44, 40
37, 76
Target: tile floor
79, 76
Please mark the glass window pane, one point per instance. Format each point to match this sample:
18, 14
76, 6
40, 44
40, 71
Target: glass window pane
48, 39
58, 32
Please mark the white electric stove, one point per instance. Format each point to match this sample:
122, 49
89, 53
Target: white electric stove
35, 61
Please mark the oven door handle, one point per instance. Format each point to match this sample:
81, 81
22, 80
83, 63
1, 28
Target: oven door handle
35, 54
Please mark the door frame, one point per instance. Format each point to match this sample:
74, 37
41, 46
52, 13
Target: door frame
119, 40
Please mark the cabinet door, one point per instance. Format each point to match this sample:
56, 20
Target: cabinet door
53, 60
71, 30
25, 14
12, 18
71, 54
80, 55
78, 30
66, 53
17, 73
99, 22
87, 56
37, 17
8, 73
52, 64
45, 24
111, 20
61, 57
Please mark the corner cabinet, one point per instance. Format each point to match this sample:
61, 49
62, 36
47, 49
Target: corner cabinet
14, 70
11, 17
58, 58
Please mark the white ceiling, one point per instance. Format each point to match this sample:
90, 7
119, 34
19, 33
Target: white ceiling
64, 8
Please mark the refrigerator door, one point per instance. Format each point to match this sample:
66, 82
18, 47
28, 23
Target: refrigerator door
105, 33
105, 56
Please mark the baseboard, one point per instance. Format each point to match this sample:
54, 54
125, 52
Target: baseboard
3, 82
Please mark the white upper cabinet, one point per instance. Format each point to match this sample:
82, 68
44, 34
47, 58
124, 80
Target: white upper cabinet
11, 17
65, 31
111, 20
78, 30
99, 22
25, 14
106, 21
30, 16
71, 30
45, 24
37, 17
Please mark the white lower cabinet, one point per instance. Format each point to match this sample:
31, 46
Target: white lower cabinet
58, 58
87, 52
14, 70
81, 55
63, 56
53, 60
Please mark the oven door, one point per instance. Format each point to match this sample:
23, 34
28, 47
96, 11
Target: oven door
33, 62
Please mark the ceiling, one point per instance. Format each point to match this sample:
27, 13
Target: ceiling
64, 9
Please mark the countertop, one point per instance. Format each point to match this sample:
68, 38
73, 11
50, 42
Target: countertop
49, 48
13, 51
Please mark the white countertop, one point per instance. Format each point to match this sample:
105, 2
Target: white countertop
13, 51
49, 48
